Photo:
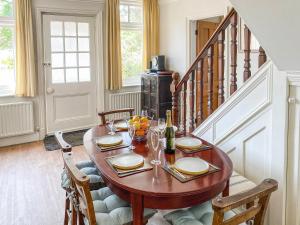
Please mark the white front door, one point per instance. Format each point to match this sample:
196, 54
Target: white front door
70, 76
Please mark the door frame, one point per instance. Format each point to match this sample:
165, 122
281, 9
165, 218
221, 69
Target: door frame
99, 67
293, 81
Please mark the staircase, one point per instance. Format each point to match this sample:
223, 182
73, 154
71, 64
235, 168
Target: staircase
188, 100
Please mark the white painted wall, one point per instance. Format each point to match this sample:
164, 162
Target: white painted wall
275, 23
174, 16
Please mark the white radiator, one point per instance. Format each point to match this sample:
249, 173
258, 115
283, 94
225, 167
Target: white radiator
16, 119
125, 100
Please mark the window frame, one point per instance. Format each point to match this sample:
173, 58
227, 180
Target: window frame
10, 21
132, 26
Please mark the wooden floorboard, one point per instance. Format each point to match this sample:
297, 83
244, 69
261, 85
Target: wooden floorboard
30, 192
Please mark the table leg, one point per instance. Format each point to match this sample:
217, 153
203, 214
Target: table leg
226, 190
137, 204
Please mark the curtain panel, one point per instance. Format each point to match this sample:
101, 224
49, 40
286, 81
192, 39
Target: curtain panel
113, 46
151, 30
25, 55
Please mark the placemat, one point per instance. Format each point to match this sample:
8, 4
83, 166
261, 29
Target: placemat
185, 177
123, 173
189, 151
110, 148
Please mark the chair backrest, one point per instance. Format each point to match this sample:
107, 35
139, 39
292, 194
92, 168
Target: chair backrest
65, 147
117, 111
255, 201
80, 183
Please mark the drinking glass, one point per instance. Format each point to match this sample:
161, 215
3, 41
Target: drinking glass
156, 143
161, 124
144, 113
111, 127
131, 132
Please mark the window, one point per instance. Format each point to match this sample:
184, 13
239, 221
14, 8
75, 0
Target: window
7, 48
70, 52
131, 41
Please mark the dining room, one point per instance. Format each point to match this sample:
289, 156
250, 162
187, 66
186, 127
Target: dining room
146, 112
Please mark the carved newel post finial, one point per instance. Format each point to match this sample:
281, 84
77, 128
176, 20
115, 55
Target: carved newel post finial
175, 77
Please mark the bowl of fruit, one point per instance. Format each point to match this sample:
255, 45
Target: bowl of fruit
141, 125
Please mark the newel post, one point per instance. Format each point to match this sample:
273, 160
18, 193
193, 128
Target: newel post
175, 77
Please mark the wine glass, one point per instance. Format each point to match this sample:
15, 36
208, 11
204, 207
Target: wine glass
156, 145
161, 124
131, 132
144, 113
111, 127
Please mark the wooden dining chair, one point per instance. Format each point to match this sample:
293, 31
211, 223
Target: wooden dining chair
254, 203
87, 167
117, 111
102, 206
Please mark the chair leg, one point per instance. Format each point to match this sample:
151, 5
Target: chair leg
80, 218
74, 216
67, 209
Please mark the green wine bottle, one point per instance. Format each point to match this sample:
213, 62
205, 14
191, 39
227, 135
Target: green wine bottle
169, 135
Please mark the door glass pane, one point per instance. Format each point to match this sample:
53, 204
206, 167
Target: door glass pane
70, 44
57, 60
84, 74
58, 76
83, 29
84, 59
57, 44
56, 28
71, 75
71, 59
70, 29
83, 44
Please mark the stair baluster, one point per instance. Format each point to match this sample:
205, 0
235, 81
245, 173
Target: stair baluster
221, 37
233, 21
192, 100
184, 105
200, 88
197, 98
210, 74
247, 50
175, 77
262, 58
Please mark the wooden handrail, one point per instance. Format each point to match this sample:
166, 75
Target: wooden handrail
201, 89
212, 40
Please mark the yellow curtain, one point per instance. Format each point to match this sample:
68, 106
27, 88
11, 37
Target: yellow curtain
113, 46
151, 30
25, 55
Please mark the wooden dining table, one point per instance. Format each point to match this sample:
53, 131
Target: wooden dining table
156, 188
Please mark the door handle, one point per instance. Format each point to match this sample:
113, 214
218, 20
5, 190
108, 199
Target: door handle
50, 90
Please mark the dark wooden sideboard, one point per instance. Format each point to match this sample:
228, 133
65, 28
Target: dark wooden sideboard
156, 95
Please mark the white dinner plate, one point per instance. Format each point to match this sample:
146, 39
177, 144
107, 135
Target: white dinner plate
127, 161
109, 140
191, 165
188, 142
121, 125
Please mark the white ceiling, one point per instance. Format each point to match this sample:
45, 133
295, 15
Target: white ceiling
275, 23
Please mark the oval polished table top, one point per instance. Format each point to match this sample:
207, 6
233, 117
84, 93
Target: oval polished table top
162, 191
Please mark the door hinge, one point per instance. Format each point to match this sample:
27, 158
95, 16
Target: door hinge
196, 32
292, 100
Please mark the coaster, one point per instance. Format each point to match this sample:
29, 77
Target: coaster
184, 177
